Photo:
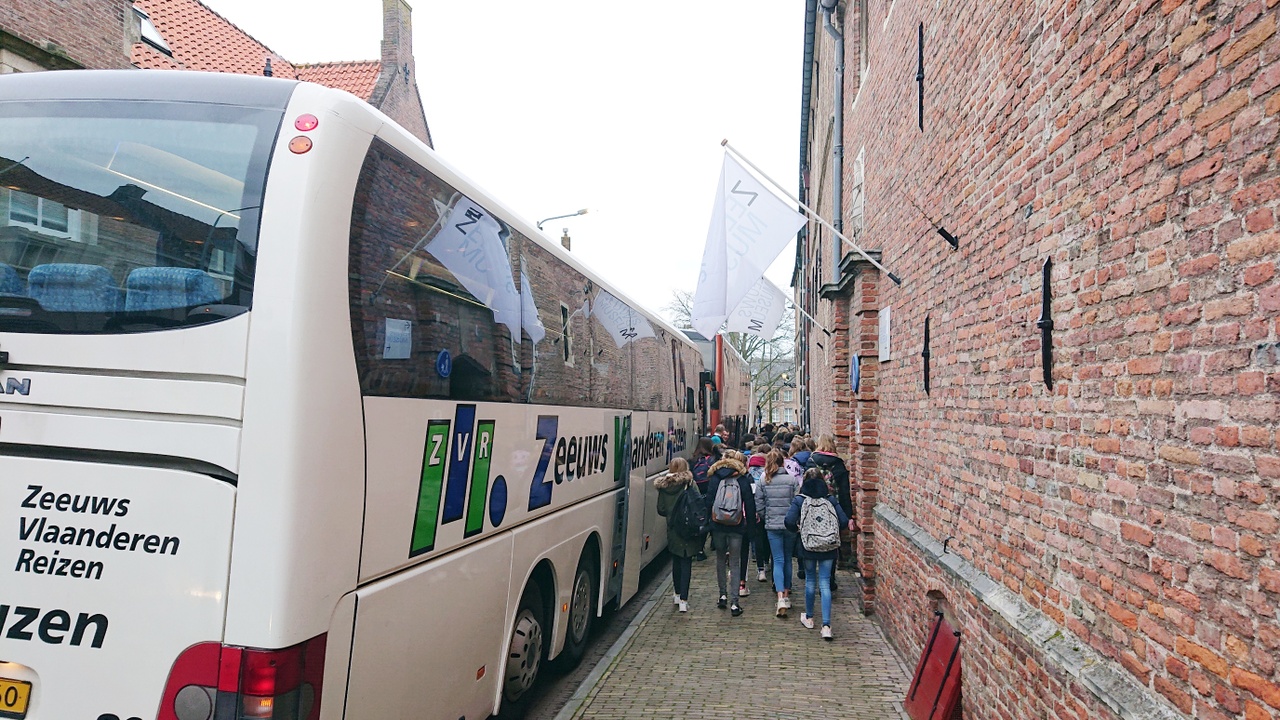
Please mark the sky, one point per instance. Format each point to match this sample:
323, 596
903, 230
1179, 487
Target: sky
557, 105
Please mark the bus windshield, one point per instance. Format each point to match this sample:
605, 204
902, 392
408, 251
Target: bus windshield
119, 217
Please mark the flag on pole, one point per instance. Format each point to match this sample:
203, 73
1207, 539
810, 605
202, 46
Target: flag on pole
749, 227
622, 322
760, 311
470, 246
529, 318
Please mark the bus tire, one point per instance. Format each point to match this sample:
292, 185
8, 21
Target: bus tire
524, 659
582, 613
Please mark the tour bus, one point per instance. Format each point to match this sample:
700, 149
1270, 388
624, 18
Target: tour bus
296, 422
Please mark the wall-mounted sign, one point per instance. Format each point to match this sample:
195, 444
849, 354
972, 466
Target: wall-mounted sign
444, 364
884, 334
398, 342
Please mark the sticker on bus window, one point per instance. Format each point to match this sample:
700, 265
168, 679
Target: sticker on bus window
399, 341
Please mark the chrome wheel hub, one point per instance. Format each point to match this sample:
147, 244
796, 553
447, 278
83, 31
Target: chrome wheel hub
525, 657
580, 614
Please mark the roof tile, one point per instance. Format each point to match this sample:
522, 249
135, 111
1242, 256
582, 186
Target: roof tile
356, 77
201, 39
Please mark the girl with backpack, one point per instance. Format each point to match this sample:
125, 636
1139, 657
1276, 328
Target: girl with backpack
777, 489
795, 465
733, 517
826, 460
816, 515
678, 498
704, 457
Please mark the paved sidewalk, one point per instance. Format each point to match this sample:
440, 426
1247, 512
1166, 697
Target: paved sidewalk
707, 664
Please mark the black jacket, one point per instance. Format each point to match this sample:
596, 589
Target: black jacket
839, 477
732, 471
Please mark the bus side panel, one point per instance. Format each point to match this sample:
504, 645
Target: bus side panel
427, 640
655, 526
445, 474
299, 512
337, 659
544, 539
633, 559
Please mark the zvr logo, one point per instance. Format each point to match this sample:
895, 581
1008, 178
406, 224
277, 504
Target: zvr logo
469, 454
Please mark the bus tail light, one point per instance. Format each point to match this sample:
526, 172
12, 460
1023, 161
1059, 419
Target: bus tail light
211, 681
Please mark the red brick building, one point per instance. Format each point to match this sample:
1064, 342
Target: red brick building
42, 35
187, 35
1108, 544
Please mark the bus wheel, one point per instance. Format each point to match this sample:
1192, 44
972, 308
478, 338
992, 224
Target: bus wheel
524, 660
582, 612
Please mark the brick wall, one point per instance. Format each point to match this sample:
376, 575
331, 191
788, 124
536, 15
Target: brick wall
71, 33
1135, 504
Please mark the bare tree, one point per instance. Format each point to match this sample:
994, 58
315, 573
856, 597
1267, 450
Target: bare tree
771, 360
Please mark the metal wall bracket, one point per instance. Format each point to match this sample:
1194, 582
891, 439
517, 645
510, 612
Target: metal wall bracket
925, 354
1046, 322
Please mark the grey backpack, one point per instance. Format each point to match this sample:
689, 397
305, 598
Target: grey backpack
819, 526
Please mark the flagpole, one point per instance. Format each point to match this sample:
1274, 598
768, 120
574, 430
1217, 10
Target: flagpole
812, 214
812, 319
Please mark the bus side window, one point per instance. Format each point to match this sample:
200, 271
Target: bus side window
419, 324
555, 368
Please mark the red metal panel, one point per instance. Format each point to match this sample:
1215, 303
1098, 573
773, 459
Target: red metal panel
935, 689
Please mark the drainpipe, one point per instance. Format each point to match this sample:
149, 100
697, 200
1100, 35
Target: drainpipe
837, 181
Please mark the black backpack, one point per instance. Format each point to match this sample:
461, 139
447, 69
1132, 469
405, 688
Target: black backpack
688, 518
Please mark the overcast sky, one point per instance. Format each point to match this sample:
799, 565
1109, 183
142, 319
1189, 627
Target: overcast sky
557, 105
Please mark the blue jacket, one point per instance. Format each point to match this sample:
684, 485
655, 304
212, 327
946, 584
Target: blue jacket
793, 524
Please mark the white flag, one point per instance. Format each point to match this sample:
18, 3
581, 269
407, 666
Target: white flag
529, 318
749, 227
470, 246
760, 311
623, 323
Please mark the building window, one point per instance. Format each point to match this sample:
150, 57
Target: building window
788, 395
150, 35
44, 216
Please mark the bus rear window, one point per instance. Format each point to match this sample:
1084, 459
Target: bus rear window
120, 217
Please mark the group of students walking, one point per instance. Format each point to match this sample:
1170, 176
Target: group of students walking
787, 498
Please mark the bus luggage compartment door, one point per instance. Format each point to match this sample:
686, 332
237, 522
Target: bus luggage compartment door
116, 570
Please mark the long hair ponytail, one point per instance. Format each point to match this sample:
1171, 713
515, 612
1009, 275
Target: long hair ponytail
772, 464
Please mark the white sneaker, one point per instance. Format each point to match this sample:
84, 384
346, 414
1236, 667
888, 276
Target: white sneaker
675, 598
782, 609
760, 576
684, 606
787, 601
826, 632
806, 621
743, 590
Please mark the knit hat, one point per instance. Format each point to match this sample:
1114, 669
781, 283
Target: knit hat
715, 440
756, 460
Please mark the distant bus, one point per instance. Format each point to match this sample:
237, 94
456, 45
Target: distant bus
727, 395
296, 422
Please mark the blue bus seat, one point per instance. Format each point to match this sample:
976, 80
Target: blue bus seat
164, 288
72, 287
10, 283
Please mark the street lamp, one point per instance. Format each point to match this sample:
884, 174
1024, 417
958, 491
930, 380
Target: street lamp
583, 211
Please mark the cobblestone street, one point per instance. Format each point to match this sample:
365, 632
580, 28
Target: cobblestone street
708, 664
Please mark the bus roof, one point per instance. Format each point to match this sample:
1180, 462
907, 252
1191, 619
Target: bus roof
148, 86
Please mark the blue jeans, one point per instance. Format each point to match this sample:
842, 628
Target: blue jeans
817, 574
781, 543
